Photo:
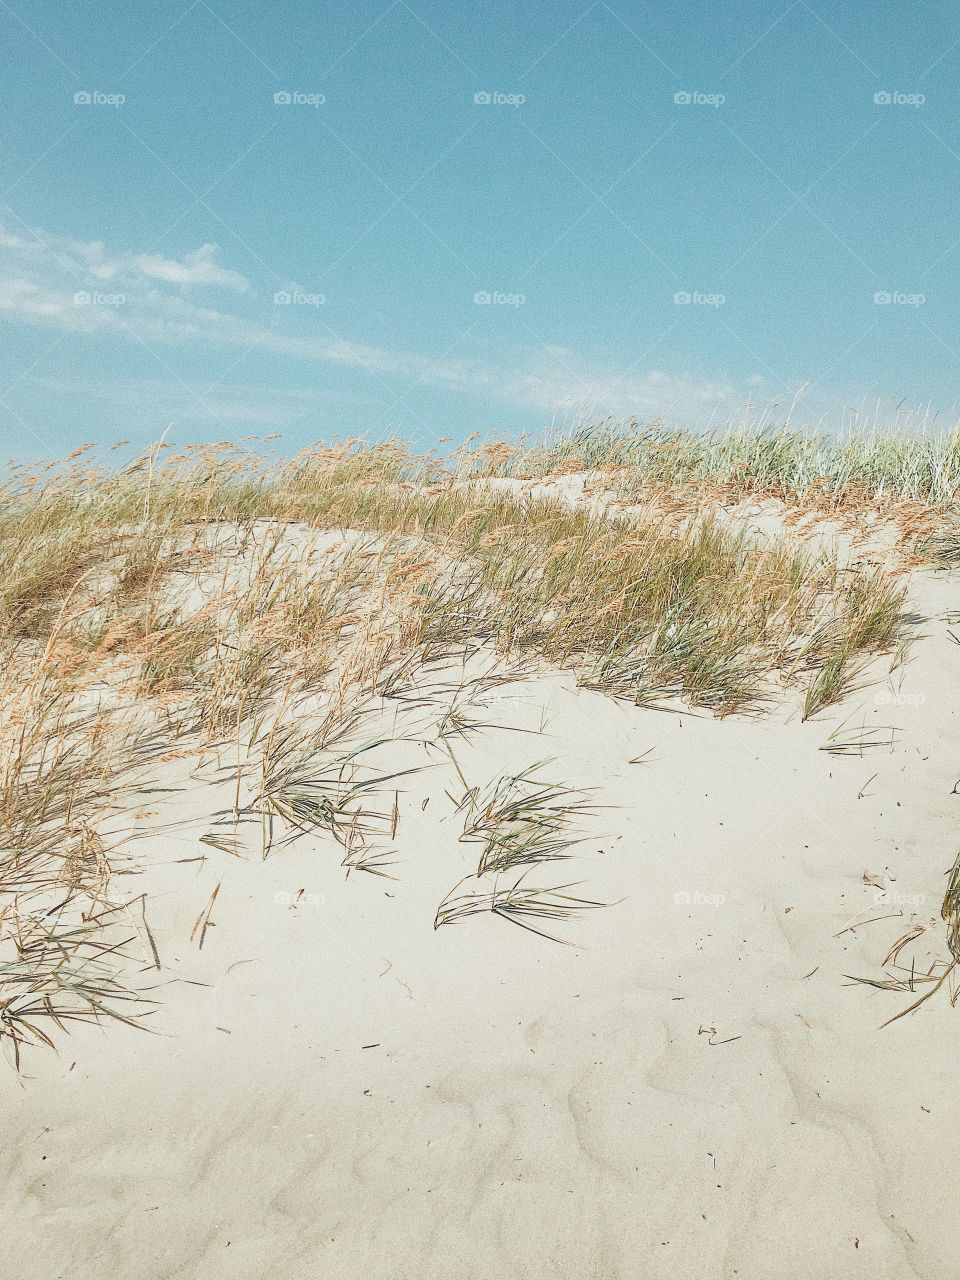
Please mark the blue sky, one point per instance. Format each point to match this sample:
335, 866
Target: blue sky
471, 218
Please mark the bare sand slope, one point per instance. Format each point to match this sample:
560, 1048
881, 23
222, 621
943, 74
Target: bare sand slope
692, 1091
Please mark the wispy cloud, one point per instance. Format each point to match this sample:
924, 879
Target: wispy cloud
83, 287
558, 379
60, 258
196, 268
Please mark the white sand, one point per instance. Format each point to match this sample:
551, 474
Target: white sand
690, 1092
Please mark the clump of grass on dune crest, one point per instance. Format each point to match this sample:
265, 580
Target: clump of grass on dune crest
638, 608
701, 614
862, 467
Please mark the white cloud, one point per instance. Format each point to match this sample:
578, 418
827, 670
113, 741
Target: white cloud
557, 379
148, 299
60, 257
196, 268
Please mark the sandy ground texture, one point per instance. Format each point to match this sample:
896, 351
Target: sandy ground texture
692, 1089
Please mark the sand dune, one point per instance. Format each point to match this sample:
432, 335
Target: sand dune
442, 960
334, 1087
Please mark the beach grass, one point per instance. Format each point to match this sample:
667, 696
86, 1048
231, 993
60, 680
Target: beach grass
853, 468
525, 905
199, 598
522, 819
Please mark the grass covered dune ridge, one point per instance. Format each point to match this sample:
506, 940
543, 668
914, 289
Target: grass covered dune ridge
644, 602
213, 604
852, 468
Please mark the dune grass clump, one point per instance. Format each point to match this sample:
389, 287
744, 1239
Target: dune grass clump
903, 979
950, 911
521, 822
702, 615
941, 547
522, 819
66, 972
866, 623
320, 784
67, 951
865, 467
518, 903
